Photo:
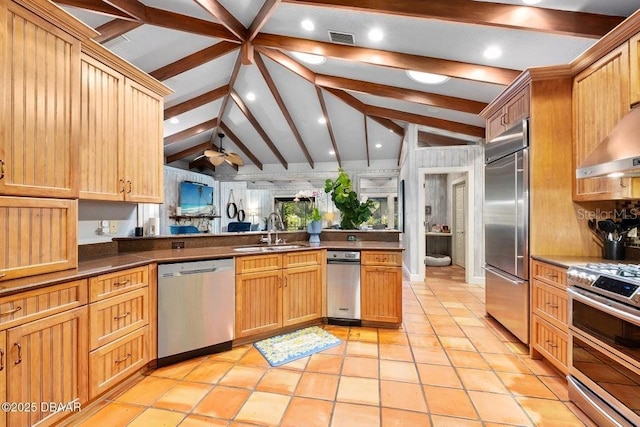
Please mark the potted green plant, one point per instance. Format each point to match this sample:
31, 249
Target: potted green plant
353, 212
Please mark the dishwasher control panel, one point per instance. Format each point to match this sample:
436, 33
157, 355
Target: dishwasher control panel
344, 256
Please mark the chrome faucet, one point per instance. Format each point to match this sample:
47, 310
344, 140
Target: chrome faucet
274, 226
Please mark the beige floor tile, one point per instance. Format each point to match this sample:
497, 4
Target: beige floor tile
202, 421
337, 350
179, 370
481, 379
318, 386
398, 371
279, 381
506, 363
242, 376
399, 418
157, 418
558, 385
147, 391
442, 421
402, 396
222, 402
265, 409
434, 356
525, 385
395, 352
296, 365
113, 414
325, 363
361, 367
546, 412
183, 397
346, 414
393, 337
449, 401
307, 412
423, 340
457, 343
484, 345
449, 331
467, 359
419, 328
232, 355
481, 332
363, 349
253, 358
209, 371
363, 334
443, 376
359, 390
499, 408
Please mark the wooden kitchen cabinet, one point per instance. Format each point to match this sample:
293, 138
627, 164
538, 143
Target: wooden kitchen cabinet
381, 286
40, 53
515, 110
3, 375
302, 295
549, 314
121, 124
40, 236
258, 302
634, 70
600, 100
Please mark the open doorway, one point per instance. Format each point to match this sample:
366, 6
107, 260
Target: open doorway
456, 187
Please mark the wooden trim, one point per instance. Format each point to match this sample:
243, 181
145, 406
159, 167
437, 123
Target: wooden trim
193, 130
325, 113
188, 152
232, 82
114, 29
366, 140
196, 102
240, 145
223, 15
58, 17
96, 6
188, 24
288, 63
132, 8
262, 17
194, 60
434, 140
202, 163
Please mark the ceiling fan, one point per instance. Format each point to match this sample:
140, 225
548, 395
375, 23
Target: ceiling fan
218, 157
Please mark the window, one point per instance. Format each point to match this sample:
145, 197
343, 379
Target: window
295, 215
380, 211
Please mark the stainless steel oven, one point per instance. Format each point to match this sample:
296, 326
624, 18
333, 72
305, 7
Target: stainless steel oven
604, 342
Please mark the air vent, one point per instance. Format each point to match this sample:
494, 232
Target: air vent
342, 38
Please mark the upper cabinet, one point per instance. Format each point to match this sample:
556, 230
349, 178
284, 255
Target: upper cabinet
634, 77
121, 122
39, 89
513, 111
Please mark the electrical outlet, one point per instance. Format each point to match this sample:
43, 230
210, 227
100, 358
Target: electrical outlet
113, 227
177, 245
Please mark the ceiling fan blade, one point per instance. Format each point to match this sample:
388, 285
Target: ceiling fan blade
217, 161
235, 159
213, 153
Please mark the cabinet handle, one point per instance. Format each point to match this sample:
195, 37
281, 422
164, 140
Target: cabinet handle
16, 344
128, 313
15, 310
286, 281
1, 168
551, 305
121, 185
117, 362
552, 275
123, 283
551, 344
130, 187
1, 360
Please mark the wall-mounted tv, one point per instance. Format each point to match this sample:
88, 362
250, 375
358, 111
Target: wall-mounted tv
196, 198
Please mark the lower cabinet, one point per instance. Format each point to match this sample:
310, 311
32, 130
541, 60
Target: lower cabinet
381, 286
277, 290
3, 375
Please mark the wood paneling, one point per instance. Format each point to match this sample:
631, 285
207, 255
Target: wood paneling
101, 130
302, 295
117, 283
393, 259
381, 294
39, 236
634, 77
302, 258
112, 318
257, 263
3, 374
258, 302
47, 362
33, 305
39, 136
551, 343
514, 111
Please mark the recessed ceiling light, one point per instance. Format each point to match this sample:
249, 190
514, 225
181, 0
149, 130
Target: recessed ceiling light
309, 58
307, 24
378, 145
428, 78
493, 52
174, 120
251, 96
332, 152
322, 120
376, 35
531, 1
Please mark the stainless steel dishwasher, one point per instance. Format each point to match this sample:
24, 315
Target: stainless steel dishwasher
343, 287
196, 309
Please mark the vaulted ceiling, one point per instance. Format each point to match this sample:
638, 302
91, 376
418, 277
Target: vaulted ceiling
215, 53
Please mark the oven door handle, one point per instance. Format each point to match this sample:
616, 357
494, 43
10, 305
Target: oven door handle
611, 307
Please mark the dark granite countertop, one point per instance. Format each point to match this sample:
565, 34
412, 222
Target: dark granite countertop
568, 261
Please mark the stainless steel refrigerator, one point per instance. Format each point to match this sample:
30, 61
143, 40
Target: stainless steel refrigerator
506, 226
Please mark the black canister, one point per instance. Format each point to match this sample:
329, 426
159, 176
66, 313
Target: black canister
613, 249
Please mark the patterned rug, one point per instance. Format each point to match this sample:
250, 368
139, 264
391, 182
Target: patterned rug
286, 348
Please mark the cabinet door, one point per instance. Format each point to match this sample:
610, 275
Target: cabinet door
551, 343
47, 362
258, 302
41, 236
3, 375
101, 130
143, 151
600, 100
39, 132
495, 125
381, 294
517, 109
634, 78
302, 295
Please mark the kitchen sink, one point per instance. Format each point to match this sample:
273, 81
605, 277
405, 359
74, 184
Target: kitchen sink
267, 248
250, 249
282, 247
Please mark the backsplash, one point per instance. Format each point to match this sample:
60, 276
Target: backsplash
631, 208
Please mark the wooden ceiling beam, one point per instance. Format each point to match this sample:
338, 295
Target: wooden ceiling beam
262, 17
218, 11
288, 63
283, 107
241, 145
256, 125
201, 164
114, 29
196, 102
426, 121
187, 133
434, 140
366, 140
579, 24
325, 113
232, 81
402, 94
403, 61
194, 60
133, 8
188, 24
188, 152
97, 6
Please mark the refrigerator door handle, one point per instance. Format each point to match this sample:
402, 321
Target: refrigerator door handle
522, 212
504, 276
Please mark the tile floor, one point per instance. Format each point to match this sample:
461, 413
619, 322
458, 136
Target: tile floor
448, 366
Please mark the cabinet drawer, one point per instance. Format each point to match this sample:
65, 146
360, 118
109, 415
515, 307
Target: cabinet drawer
118, 360
381, 258
115, 317
302, 258
551, 343
108, 285
556, 276
31, 305
550, 303
254, 263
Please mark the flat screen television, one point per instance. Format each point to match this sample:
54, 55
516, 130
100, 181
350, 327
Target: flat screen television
196, 198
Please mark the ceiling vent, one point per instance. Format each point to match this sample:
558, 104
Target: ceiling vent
342, 38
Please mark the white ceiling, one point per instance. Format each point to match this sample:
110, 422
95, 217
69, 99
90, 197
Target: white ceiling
151, 47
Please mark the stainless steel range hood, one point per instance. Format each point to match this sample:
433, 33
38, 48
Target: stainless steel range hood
618, 153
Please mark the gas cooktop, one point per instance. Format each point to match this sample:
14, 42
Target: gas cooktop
615, 281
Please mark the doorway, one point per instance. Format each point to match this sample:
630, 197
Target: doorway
459, 218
